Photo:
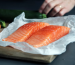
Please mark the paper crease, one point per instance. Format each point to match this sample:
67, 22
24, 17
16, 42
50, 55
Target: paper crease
55, 48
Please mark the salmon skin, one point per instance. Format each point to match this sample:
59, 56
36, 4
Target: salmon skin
47, 35
25, 31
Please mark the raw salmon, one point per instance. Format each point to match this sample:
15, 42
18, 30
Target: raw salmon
25, 31
0, 25
47, 35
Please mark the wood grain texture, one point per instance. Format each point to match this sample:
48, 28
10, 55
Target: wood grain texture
17, 54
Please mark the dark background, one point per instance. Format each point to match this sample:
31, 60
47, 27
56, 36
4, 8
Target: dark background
25, 5
67, 58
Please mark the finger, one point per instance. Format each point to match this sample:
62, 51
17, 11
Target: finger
70, 5
43, 5
55, 11
62, 12
66, 9
50, 6
57, 8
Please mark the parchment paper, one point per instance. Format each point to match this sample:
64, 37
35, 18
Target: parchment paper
56, 48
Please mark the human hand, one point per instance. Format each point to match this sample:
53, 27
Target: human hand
58, 7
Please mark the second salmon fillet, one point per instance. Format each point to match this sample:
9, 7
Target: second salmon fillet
25, 31
47, 35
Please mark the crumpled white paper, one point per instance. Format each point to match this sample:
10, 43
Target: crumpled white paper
55, 48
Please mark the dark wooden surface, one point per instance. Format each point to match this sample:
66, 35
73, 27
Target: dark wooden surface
67, 58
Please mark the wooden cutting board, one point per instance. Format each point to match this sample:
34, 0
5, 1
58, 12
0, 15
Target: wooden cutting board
9, 52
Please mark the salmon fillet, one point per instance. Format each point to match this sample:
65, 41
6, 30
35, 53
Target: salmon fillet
0, 25
47, 35
25, 31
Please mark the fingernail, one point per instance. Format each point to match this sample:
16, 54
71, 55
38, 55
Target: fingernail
40, 11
